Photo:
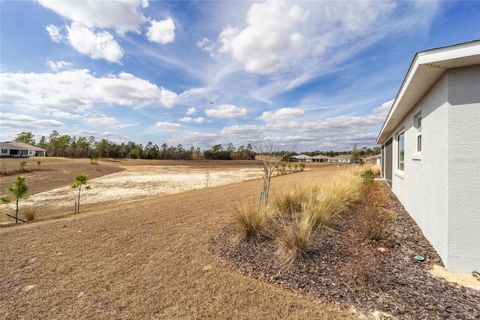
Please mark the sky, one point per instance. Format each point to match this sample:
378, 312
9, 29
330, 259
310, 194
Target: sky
314, 75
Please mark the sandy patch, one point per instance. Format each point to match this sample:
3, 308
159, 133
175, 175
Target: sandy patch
465, 279
140, 182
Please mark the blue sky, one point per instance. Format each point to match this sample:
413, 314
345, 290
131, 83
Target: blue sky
314, 75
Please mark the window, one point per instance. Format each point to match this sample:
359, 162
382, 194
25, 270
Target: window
4, 151
401, 151
417, 122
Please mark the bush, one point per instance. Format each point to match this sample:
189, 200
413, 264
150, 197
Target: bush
29, 213
368, 177
251, 219
293, 241
377, 224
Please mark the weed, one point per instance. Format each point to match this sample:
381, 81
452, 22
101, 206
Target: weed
23, 165
29, 213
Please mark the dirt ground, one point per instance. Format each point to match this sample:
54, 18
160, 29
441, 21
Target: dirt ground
52, 172
148, 259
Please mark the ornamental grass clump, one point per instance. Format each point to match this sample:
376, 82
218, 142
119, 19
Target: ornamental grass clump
290, 200
293, 241
331, 199
251, 219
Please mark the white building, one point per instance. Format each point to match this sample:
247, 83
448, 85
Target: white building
20, 149
431, 150
301, 158
343, 158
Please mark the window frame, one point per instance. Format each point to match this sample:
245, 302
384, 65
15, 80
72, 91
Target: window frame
400, 162
417, 123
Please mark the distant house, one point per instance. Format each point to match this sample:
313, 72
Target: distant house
321, 158
301, 158
20, 150
343, 158
431, 150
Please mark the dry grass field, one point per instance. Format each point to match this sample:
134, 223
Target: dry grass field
113, 181
144, 259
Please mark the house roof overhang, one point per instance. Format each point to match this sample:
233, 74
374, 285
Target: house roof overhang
426, 68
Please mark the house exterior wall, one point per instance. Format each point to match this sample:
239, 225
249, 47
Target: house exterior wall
464, 168
440, 186
423, 185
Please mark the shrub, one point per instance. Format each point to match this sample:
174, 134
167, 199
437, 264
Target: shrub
302, 166
29, 213
39, 163
251, 219
293, 241
377, 224
368, 177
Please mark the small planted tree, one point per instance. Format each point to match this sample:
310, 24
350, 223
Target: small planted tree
18, 190
78, 182
39, 163
270, 155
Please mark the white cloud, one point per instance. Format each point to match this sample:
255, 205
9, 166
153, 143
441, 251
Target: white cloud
162, 31
223, 43
22, 121
122, 16
59, 65
102, 120
96, 45
79, 90
226, 111
166, 126
190, 119
191, 111
54, 33
273, 30
281, 114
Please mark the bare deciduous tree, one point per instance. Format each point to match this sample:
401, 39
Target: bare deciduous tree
269, 152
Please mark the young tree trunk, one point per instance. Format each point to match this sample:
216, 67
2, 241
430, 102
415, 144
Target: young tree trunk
78, 202
16, 212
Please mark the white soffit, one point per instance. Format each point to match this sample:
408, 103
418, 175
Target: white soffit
427, 67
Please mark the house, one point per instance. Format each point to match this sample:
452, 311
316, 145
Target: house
321, 158
431, 150
20, 150
376, 159
343, 158
301, 158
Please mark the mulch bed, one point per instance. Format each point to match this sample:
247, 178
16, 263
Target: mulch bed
345, 269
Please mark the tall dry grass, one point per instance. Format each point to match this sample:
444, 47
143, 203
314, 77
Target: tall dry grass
293, 241
251, 219
331, 199
303, 209
290, 200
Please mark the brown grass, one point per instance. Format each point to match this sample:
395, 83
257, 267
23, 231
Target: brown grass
147, 259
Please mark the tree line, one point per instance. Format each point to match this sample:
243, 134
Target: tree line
58, 145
